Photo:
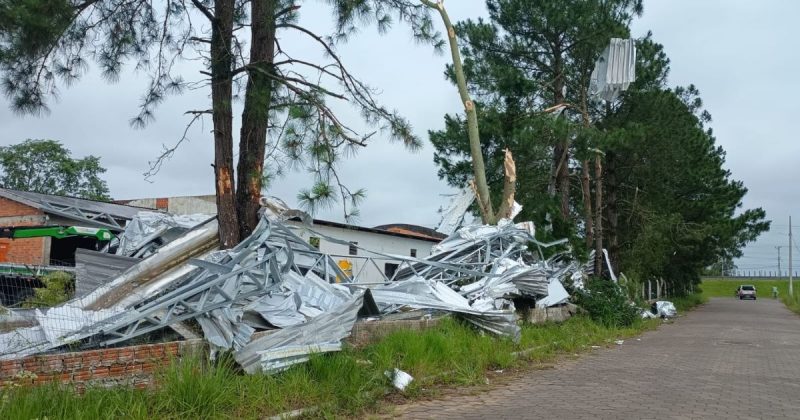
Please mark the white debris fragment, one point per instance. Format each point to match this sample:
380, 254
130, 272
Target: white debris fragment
666, 309
400, 379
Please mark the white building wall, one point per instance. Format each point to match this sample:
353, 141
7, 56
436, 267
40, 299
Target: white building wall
379, 242
204, 204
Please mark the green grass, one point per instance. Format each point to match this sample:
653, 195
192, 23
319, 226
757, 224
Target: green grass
685, 303
348, 383
718, 287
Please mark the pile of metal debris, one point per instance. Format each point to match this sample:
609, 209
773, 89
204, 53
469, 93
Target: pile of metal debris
274, 299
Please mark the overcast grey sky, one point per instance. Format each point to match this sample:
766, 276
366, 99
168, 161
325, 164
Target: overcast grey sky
741, 55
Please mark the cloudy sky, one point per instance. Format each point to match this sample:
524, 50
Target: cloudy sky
741, 55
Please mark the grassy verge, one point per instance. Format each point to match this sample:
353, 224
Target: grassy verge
349, 383
713, 287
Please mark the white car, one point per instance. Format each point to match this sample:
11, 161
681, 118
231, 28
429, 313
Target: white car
746, 291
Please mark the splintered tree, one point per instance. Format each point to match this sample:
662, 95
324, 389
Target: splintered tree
528, 58
479, 183
286, 113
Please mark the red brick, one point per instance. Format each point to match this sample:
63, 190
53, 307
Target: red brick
149, 366
82, 375
125, 354
31, 364
91, 360
100, 372
133, 367
72, 362
116, 370
142, 353
10, 368
52, 365
172, 348
44, 378
158, 351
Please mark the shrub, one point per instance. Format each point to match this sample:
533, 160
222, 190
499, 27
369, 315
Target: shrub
58, 288
606, 303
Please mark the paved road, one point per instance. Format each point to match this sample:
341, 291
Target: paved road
727, 359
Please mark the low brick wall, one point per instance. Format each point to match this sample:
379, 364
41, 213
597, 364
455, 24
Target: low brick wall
367, 332
555, 314
135, 365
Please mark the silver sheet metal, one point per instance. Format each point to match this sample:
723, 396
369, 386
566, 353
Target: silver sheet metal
150, 230
274, 279
453, 215
615, 70
94, 269
289, 346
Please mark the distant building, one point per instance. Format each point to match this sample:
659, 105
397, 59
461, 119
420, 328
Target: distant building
27, 209
392, 239
205, 204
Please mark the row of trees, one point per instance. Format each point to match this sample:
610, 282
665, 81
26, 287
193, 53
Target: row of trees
645, 166
668, 206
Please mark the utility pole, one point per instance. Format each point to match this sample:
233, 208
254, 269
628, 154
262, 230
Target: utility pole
791, 290
779, 259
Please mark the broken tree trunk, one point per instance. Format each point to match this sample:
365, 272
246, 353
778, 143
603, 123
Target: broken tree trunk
478, 167
509, 186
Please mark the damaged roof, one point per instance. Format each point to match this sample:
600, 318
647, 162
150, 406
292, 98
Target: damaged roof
88, 212
401, 230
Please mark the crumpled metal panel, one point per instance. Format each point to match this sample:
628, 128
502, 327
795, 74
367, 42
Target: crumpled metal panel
157, 228
556, 295
94, 269
453, 215
615, 70
289, 346
279, 309
665, 309
420, 293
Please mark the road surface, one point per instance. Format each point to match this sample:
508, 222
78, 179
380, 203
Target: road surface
728, 359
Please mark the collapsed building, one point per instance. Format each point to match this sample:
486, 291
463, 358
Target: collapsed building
279, 296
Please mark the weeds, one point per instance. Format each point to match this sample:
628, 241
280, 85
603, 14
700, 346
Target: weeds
58, 288
348, 383
607, 304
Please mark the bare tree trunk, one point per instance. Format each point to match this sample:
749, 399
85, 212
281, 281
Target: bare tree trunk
255, 117
560, 175
222, 115
478, 167
612, 216
598, 212
587, 203
587, 194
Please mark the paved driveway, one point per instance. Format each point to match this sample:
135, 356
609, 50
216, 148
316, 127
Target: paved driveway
728, 359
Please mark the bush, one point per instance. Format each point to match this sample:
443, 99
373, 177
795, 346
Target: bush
606, 303
58, 288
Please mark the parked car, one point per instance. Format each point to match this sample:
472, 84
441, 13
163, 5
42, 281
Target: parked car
746, 291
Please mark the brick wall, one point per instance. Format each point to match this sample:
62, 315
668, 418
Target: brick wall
367, 332
22, 251
135, 365
132, 365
